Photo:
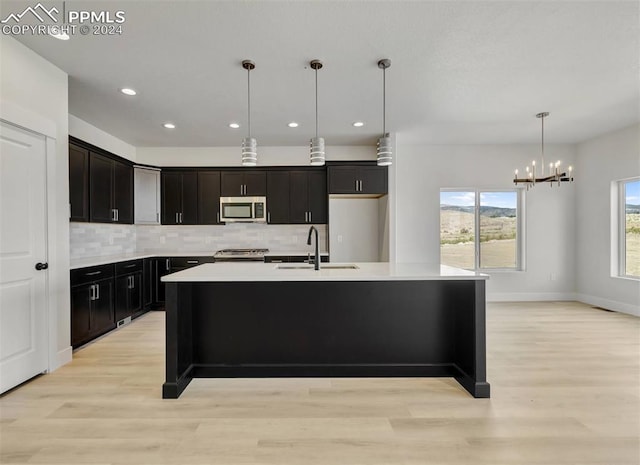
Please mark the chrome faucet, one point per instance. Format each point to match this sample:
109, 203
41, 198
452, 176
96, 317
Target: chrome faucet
316, 260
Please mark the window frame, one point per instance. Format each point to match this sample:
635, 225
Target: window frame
520, 227
621, 226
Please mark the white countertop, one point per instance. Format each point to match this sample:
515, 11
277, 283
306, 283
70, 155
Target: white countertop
107, 259
383, 271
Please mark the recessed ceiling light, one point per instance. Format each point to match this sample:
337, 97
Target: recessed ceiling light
234, 125
127, 91
169, 125
358, 124
60, 35
293, 124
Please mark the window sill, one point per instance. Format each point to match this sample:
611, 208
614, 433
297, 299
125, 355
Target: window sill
627, 278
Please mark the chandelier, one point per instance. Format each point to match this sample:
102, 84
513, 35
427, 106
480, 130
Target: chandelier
556, 174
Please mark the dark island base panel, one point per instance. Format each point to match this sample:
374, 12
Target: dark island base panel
326, 329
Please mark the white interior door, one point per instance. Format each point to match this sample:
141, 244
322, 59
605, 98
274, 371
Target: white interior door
23, 289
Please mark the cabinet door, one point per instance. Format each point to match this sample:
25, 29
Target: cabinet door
171, 197
162, 267
123, 192
318, 197
231, 183
373, 179
100, 188
102, 315
278, 197
146, 194
299, 197
209, 197
80, 314
189, 198
135, 294
147, 282
78, 183
255, 183
122, 296
342, 179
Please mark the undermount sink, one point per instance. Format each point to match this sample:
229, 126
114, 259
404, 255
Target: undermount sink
327, 266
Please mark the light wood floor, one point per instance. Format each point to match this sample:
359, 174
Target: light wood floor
564, 377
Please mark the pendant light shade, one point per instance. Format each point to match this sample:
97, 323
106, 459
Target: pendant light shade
316, 147
249, 144
385, 148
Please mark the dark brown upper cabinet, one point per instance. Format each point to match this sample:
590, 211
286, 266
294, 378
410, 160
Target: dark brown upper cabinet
308, 197
209, 197
179, 197
357, 179
110, 190
278, 197
243, 183
78, 183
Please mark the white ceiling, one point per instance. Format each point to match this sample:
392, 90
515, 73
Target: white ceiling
462, 72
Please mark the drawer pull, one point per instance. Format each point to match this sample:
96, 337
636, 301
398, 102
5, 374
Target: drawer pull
93, 273
193, 261
132, 265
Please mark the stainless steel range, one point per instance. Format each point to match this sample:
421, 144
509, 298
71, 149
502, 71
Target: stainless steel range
228, 255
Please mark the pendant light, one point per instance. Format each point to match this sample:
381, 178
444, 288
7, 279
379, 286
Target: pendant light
384, 150
249, 144
555, 175
316, 147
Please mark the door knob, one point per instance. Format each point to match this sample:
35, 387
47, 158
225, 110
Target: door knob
42, 266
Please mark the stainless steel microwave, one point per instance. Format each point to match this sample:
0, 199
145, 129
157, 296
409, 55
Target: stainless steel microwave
243, 209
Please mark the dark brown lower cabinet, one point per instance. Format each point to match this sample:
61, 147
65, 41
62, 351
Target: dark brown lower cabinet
92, 309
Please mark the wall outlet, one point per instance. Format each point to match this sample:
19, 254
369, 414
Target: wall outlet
110, 240
339, 237
553, 277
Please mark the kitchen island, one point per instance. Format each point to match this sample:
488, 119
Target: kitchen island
286, 320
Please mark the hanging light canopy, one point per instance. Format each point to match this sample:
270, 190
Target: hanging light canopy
555, 174
316, 147
249, 144
385, 149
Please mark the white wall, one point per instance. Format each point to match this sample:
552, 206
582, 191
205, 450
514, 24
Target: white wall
602, 160
421, 171
34, 86
230, 156
93, 135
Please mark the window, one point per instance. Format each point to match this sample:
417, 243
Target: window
629, 227
481, 229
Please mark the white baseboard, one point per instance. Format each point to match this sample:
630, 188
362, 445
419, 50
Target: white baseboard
529, 296
63, 357
609, 304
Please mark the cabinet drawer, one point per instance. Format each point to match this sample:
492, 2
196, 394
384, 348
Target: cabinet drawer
186, 262
128, 267
91, 274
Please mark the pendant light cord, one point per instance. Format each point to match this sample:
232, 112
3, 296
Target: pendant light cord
384, 102
249, 100
316, 70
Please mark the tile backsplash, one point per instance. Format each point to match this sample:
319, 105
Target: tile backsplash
276, 238
98, 239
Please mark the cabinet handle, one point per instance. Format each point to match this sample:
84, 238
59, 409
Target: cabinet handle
268, 217
92, 294
180, 217
356, 185
97, 292
133, 282
217, 217
193, 262
93, 273
306, 220
131, 266
167, 264
177, 221
157, 217
117, 215
310, 220
361, 185
69, 210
